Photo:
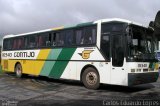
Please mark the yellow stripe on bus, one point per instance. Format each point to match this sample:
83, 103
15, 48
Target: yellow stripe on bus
32, 67
58, 28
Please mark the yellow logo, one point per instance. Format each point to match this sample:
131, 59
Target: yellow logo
86, 54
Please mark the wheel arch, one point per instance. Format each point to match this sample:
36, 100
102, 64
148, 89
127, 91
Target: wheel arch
16, 64
85, 67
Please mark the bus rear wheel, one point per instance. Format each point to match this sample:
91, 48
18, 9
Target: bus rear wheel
90, 78
18, 70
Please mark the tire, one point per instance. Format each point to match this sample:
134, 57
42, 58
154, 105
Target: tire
18, 70
90, 78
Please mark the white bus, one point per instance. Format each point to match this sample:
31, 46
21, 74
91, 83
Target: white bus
109, 51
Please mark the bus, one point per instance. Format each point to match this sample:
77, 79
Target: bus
108, 51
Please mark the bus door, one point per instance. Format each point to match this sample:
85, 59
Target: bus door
118, 73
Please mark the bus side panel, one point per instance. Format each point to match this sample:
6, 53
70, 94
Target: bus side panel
88, 56
56, 62
70, 71
11, 65
32, 66
4, 64
103, 70
28, 67
8, 65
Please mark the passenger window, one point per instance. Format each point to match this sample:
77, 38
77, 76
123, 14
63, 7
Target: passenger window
78, 36
43, 40
69, 41
89, 36
86, 36
26, 42
20, 42
60, 39
7, 45
55, 39
14, 44
33, 41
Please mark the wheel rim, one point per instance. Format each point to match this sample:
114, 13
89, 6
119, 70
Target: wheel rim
18, 71
91, 78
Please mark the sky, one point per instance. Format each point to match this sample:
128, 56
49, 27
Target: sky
21, 16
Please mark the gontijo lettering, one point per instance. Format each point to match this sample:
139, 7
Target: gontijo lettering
24, 54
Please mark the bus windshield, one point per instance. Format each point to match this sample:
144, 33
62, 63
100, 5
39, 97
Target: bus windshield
142, 44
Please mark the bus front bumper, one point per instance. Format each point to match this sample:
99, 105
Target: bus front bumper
142, 78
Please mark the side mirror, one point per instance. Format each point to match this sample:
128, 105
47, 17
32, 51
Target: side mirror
155, 25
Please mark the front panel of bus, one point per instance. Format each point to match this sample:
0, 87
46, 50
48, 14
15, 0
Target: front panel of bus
141, 61
130, 49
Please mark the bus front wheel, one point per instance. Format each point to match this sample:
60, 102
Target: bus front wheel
90, 78
18, 70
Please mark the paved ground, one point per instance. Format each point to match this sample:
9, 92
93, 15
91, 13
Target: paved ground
32, 91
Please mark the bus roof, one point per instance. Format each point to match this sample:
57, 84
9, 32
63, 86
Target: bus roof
78, 25
121, 20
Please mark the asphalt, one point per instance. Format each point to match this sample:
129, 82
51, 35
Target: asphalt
40, 91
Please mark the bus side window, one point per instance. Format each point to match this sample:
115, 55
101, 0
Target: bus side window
20, 44
69, 38
14, 44
78, 37
33, 41
7, 44
26, 42
55, 38
86, 36
40, 41
60, 39
48, 41
43, 40
89, 36
94, 35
